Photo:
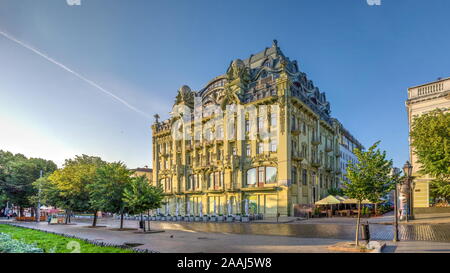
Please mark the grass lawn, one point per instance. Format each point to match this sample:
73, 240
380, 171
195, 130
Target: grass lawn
55, 243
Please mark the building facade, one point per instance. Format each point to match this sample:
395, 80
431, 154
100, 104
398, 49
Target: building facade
145, 171
422, 99
284, 151
347, 145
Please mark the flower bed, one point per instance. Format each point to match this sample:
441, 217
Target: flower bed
10, 245
59, 243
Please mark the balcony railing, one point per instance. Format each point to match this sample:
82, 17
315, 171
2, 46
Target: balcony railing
315, 140
298, 155
316, 162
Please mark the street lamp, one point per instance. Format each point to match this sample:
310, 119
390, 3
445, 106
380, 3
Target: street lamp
394, 173
407, 170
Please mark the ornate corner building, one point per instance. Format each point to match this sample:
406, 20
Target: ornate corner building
296, 165
421, 99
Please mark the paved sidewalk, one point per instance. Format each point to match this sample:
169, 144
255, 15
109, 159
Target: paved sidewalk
182, 240
176, 241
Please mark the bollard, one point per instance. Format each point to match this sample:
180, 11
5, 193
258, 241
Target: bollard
365, 232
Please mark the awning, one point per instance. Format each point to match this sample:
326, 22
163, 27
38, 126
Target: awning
329, 200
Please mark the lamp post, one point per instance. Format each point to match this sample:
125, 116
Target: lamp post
407, 170
394, 174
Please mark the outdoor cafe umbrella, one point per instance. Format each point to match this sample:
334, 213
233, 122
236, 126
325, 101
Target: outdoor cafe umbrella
201, 209
355, 201
214, 207
176, 209
189, 207
229, 207
329, 200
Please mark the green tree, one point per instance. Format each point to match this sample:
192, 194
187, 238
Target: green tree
107, 190
72, 184
335, 191
142, 197
430, 140
369, 179
17, 174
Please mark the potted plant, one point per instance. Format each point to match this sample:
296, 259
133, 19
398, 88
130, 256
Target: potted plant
197, 218
191, 218
245, 218
205, 218
163, 217
153, 218
213, 218
237, 217
230, 218
220, 218
179, 218
158, 217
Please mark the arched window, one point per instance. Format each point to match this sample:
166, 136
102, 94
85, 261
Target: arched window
251, 176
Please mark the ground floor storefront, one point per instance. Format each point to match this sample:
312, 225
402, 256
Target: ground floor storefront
266, 203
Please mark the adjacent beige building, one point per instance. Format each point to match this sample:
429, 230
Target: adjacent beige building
422, 99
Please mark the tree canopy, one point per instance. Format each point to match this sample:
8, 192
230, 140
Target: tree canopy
370, 178
141, 196
109, 184
17, 175
430, 140
72, 183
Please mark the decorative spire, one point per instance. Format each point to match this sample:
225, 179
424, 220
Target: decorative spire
156, 116
275, 43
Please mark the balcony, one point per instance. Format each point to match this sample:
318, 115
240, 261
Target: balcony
297, 155
316, 162
328, 147
328, 167
315, 140
295, 130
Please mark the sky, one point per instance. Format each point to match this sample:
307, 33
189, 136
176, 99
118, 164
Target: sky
87, 79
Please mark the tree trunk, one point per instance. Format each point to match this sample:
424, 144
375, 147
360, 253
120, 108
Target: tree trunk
121, 220
358, 223
70, 216
94, 223
148, 219
142, 221
67, 217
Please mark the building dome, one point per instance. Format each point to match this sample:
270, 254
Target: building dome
238, 63
184, 89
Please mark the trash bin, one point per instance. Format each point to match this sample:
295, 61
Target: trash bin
141, 224
365, 232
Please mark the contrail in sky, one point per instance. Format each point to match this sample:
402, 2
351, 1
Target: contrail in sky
9, 37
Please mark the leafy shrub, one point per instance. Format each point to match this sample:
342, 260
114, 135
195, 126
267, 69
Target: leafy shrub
10, 245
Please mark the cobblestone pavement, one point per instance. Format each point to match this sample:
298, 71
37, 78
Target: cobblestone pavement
341, 231
305, 238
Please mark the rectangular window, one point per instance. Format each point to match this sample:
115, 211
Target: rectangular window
248, 150
305, 177
261, 178
260, 149
273, 146
294, 175
247, 126
260, 124
273, 120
